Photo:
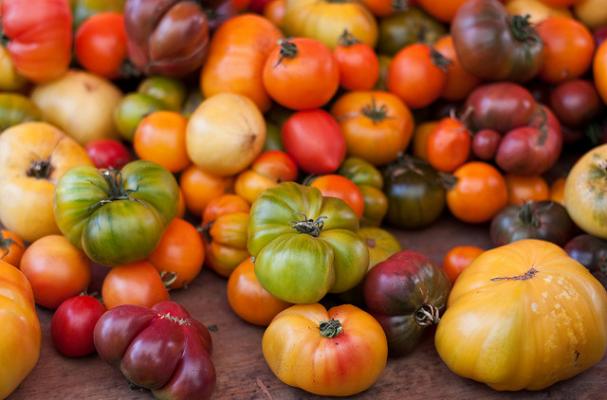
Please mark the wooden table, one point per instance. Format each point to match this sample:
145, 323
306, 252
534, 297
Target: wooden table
243, 374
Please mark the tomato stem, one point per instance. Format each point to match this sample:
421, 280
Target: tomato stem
527, 216
40, 169
288, 49
526, 276
522, 30
347, 39
427, 315
330, 329
400, 5
168, 278
310, 226
375, 112
439, 60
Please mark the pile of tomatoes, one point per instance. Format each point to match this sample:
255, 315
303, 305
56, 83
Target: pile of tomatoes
269, 141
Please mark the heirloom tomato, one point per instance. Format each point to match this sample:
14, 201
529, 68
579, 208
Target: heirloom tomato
238, 53
275, 11
485, 144
116, 216
336, 352
494, 45
458, 259
199, 188
406, 27
357, 62
39, 34
384, 8
370, 117
592, 13
137, 283
589, 251
342, 188
459, 81
538, 10
108, 153
131, 110
305, 245
83, 9
420, 139
315, 141
248, 299
478, 194
444, 11
557, 191
448, 145
524, 290
293, 70
162, 349
33, 156
9, 77
381, 244
16, 109
575, 102
171, 92
325, 20
268, 170
417, 74
11, 247
522, 189
406, 294
179, 253
56, 269
600, 70
21, 329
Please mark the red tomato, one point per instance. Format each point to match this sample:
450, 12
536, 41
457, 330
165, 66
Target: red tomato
73, 325
342, 188
357, 62
101, 44
108, 153
314, 140
449, 145
137, 283
458, 259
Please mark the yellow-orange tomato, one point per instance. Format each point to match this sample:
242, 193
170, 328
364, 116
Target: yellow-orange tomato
420, 139
138, 283
459, 258
226, 204
522, 189
557, 191
459, 82
160, 137
248, 299
268, 170
11, 247
600, 70
200, 187
275, 11
479, 193
342, 188
536, 9
180, 252
368, 118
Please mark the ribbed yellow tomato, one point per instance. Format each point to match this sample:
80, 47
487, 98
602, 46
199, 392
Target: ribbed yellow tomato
523, 316
339, 352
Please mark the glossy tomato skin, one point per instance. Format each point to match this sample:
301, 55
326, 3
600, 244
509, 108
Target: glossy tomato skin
73, 324
358, 64
84, 9
589, 251
199, 188
458, 259
15, 109
268, 170
342, 188
449, 145
314, 140
522, 189
407, 27
488, 47
600, 70
161, 348
131, 110
370, 182
485, 144
575, 102
136, 283
108, 153
444, 11
171, 92
459, 81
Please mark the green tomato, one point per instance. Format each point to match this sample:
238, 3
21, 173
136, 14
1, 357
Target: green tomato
116, 217
170, 92
361, 172
305, 245
273, 138
131, 110
82, 9
407, 27
15, 109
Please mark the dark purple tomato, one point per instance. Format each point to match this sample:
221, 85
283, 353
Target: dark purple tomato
485, 143
589, 251
575, 103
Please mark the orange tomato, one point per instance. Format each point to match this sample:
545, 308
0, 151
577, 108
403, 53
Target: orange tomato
342, 188
600, 70
448, 145
160, 137
56, 269
384, 8
181, 205
358, 64
275, 11
248, 299
180, 252
522, 189
11, 247
369, 118
420, 139
443, 10
417, 74
459, 82
268, 170
557, 191
137, 283
200, 187
479, 193
301, 73
226, 204
458, 259
568, 49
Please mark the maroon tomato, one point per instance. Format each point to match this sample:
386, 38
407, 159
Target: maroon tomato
108, 153
575, 103
73, 324
315, 141
485, 144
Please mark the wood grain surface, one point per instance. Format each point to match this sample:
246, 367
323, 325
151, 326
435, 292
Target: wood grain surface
243, 374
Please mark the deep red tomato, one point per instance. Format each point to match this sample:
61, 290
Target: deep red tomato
358, 64
575, 102
101, 44
73, 325
108, 153
315, 141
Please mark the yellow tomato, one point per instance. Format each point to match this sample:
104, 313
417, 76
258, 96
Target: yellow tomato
9, 78
592, 13
537, 10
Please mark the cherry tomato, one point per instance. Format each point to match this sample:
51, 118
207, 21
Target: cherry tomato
485, 144
358, 64
200, 187
73, 325
449, 145
522, 189
11, 247
458, 259
108, 153
342, 188
137, 283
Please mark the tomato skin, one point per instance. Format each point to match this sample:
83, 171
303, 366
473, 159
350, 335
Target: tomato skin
100, 44
199, 188
449, 145
358, 64
137, 283
420, 139
600, 70
275, 11
444, 10
459, 81
269, 169
407, 27
575, 102
11, 247
458, 259
56, 269
73, 324
315, 141
485, 144
108, 153
342, 188
522, 189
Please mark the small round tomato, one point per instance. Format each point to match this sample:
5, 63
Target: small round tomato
568, 49
108, 153
160, 137
301, 73
170, 91
557, 191
358, 64
485, 144
460, 83
522, 189
73, 325
600, 71
131, 110
200, 187
56, 269
458, 259
315, 141
248, 299
449, 145
100, 44
275, 11
226, 204
420, 139
137, 283
575, 102
11, 247
268, 170
479, 193
342, 188
180, 253
417, 74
